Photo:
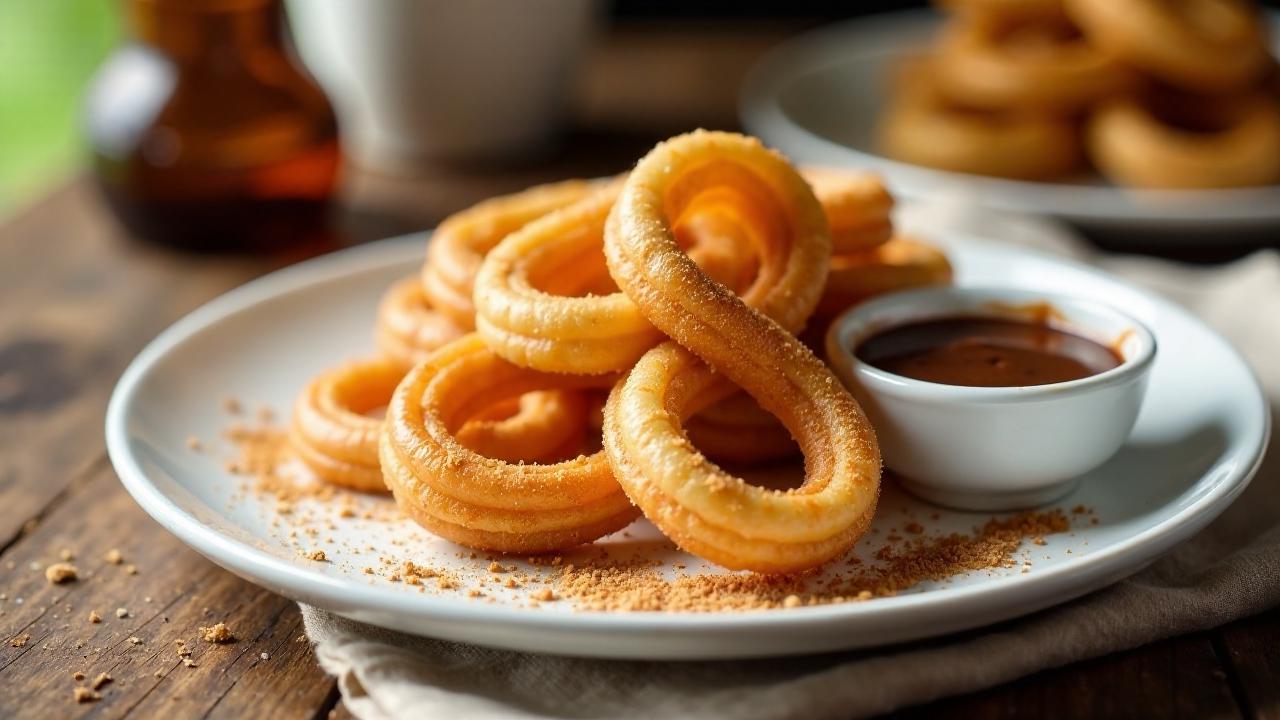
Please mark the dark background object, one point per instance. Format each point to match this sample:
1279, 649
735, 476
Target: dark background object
208, 134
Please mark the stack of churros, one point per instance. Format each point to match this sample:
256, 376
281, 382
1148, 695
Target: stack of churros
1150, 93
579, 354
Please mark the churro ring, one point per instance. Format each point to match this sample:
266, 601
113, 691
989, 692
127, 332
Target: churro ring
695, 503
1032, 66
530, 324
408, 329
460, 243
558, 332
737, 430
484, 502
923, 128
717, 243
1208, 46
541, 427
900, 264
333, 432
1187, 143
857, 205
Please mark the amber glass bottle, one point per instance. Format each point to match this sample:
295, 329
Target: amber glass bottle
206, 132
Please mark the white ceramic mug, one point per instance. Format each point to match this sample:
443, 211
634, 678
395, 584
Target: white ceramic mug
418, 81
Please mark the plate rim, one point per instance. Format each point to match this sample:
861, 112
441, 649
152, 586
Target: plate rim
761, 113
347, 598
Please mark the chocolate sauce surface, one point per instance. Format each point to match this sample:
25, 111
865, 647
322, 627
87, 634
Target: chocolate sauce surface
985, 352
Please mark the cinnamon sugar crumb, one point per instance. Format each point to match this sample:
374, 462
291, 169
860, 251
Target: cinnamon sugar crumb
218, 634
409, 567
113, 557
21, 640
94, 617
85, 695
59, 573
100, 680
717, 482
266, 461
317, 555
637, 586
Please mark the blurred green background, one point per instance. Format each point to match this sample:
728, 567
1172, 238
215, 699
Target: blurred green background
48, 50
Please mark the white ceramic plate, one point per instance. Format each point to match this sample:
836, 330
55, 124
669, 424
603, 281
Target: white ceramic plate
817, 98
1198, 440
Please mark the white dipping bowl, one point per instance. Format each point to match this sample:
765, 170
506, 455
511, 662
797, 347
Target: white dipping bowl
995, 448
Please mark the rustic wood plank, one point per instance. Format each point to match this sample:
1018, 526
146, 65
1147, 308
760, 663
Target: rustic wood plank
1252, 648
1177, 678
87, 301
173, 594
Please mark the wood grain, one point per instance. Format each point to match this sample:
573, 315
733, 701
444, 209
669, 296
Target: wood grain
173, 594
84, 301
90, 300
1181, 677
1252, 649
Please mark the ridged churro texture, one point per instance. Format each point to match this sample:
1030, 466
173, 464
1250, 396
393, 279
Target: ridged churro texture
719, 340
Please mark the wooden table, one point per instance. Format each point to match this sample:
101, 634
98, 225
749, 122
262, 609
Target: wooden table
78, 298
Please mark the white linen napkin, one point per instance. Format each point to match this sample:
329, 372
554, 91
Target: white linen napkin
1228, 571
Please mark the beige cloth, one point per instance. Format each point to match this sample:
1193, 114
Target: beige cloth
1228, 571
